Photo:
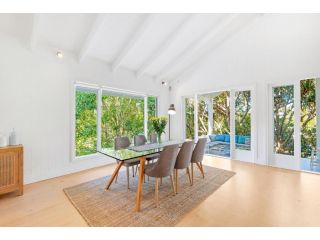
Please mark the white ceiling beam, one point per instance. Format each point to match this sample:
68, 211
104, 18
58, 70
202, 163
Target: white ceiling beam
165, 45
96, 26
197, 62
34, 31
133, 40
194, 46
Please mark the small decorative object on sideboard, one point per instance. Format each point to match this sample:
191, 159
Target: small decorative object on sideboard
3, 140
11, 169
13, 139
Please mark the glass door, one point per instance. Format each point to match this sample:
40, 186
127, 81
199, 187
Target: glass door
244, 128
310, 124
284, 132
213, 120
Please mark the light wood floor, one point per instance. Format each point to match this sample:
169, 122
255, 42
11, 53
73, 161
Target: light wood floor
255, 196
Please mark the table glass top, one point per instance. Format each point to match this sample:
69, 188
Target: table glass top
136, 152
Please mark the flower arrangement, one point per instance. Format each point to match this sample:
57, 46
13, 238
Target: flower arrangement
158, 125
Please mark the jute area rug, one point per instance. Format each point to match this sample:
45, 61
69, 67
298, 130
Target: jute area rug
115, 207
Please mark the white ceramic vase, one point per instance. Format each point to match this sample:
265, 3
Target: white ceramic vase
3, 141
13, 140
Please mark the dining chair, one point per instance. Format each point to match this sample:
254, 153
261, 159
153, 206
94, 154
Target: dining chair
121, 143
163, 168
183, 160
197, 156
140, 140
153, 138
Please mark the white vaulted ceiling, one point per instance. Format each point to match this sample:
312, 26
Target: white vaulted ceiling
165, 46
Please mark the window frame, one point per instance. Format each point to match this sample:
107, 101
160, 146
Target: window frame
100, 90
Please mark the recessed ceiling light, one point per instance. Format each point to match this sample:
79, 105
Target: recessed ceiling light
164, 83
59, 54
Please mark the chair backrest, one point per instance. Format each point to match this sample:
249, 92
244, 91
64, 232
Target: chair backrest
198, 152
139, 140
153, 138
167, 159
121, 142
184, 156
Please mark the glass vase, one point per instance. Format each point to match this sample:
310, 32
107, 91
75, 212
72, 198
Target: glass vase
159, 137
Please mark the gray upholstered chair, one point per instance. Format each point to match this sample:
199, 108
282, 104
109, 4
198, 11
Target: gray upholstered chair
183, 160
124, 142
163, 167
139, 140
153, 138
197, 155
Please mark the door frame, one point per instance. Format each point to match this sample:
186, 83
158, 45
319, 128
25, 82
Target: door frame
235, 154
282, 160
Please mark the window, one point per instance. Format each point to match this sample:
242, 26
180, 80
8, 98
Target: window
221, 113
308, 117
202, 117
86, 121
243, 120
283, 119
152, 110
121, 114
189, 111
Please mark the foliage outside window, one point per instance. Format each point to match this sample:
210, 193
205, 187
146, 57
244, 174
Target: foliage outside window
189, 111
283, 115
152, 111
221, 113
243, 118
86, 122
202, 118
308, 116
121, 116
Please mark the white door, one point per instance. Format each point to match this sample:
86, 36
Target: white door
284, 120
243, 127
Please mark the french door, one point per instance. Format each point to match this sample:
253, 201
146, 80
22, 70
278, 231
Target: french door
226, 118
284, 126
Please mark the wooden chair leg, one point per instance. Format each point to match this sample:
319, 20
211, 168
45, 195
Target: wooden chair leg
156, 191
128, 183
172, 185
161, 181
176, 181
199, 166
191, 174
202, 169
148, 176
188, 172
132, 171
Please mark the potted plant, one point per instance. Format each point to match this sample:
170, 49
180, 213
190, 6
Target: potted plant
159, 124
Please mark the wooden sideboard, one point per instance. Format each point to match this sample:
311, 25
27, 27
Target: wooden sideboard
11, 169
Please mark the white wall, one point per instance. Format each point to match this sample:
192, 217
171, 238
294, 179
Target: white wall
274, 48
35, 99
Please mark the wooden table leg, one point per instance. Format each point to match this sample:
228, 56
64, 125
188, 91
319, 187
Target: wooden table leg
114, 174
140, 183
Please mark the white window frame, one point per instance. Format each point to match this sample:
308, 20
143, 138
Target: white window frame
100, 90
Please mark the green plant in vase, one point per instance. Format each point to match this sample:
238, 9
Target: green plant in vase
158, 125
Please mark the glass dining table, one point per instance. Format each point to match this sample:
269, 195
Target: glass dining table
135, 152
